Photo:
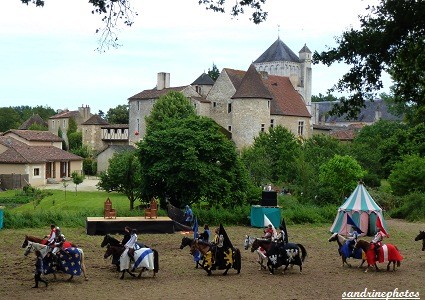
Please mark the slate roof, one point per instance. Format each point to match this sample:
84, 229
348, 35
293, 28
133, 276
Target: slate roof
34, 119
21, 153
366, 115
305, 49
285, 100
278, 51
66, 114
154, 93
119, 148
95, 120
35, 135
204, 79
112, 126
252, 86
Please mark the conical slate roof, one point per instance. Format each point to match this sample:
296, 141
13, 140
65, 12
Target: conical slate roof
252, 86
305, 49
204, 79
278, 51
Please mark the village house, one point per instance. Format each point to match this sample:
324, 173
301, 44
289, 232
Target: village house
275, 90
35, 157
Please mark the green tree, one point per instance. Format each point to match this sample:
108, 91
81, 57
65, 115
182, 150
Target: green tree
257, 162
390, 39
118, 115
77, 179
9, 119
341, 175
214, 72
408, 175
281, 148
173, 105
123, 176
72, 126
75, 140
321, 98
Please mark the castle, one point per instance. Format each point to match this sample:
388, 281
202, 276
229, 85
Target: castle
275, 90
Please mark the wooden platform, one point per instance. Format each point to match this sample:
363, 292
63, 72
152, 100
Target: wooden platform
102, 226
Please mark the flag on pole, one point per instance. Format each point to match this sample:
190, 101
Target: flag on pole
380, 227
351, 222
196, 254
267, 222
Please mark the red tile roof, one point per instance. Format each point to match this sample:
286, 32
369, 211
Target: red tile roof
21, 153
35, 135
66, 114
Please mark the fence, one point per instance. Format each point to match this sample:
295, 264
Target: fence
13, 181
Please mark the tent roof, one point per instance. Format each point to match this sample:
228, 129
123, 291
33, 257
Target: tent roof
360, 200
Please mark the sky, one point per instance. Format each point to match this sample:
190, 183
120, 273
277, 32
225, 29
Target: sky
48, 55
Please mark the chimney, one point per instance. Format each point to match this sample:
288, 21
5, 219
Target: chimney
264, 75
378, 113
163, 81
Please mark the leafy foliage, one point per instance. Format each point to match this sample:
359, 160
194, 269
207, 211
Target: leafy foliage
408, 175
13, 117
340, 175
77, 179
123, 176
118, 115
390, 39
214, 72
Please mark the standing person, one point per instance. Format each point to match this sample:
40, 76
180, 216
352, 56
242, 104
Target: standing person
188, 216
38, 269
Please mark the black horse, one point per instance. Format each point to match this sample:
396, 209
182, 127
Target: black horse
187, 241
109, 240
281, 254
421, 236
216, 258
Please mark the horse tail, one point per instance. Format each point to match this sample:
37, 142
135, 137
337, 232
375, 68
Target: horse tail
237, 260
155, 261
398, 263
303, 251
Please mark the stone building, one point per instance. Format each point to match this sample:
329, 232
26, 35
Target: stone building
275, 90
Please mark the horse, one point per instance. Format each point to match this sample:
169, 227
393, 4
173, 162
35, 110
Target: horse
387, 252
187, 241
262, 257
421, 236
43, 241
144, 258
345, 249
70, 261
216, 258
279, 254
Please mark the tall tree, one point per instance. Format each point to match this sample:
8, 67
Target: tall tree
118, 115
112, 12
123, 176
390, 39
214, 72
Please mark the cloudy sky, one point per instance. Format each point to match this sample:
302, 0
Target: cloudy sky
48, 55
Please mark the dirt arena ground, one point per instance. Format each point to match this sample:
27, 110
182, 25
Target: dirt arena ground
323, 276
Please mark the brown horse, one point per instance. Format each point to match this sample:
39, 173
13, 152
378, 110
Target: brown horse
43, 241
421, 236
387, 252
216, 258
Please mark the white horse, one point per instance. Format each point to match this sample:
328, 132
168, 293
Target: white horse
144, 259
262, 257
31, 247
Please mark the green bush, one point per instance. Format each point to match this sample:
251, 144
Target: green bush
413, 208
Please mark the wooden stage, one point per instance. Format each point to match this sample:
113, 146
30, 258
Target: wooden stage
102, 226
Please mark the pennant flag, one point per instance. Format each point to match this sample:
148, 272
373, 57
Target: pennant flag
283, 227
195, 228
380, 227
267, 222
352, 223
226, 241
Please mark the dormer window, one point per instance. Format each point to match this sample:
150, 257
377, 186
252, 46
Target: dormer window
229, 108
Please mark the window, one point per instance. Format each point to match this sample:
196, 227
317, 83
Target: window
138, 105
229, 128
272, 123
268, 104
53, 124
229, 108
300, 127
198, 89
64, 123
36, 171
214, 104
262, 127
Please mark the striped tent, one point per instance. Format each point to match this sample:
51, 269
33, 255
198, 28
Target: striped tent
362, 209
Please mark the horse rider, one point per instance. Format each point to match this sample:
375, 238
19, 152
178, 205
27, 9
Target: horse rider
129, 246
281, 237
205, 236
51, 237
268, 232
127, 235
377, 241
